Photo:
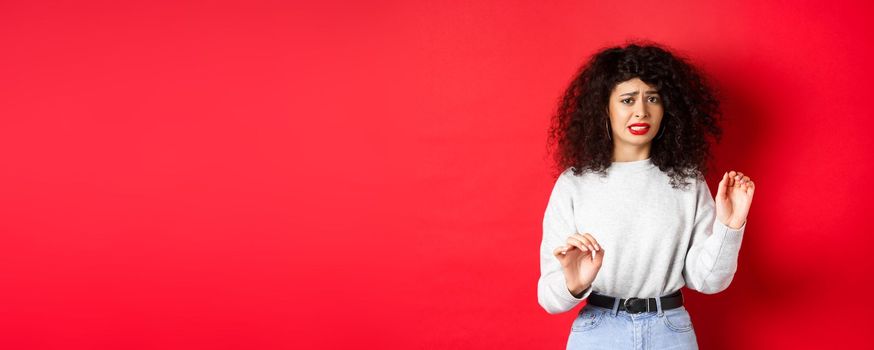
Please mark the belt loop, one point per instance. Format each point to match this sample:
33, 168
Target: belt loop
615, 306
659, 306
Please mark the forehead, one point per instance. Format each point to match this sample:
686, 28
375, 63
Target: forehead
633, 84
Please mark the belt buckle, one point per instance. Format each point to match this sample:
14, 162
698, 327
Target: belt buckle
632, 300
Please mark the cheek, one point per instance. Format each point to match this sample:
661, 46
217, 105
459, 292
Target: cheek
619, 111
659, 111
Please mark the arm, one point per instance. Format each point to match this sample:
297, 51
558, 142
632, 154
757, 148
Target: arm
552, 289
712, 257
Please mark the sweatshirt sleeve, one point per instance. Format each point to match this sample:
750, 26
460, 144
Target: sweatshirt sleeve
558, 224
711, 260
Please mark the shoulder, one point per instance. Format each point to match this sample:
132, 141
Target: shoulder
566, 180
702, 189
567, 176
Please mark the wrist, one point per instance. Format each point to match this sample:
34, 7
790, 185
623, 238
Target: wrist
735, 224
575, 288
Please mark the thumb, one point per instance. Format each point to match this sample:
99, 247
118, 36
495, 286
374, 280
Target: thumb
723, 186
559, 251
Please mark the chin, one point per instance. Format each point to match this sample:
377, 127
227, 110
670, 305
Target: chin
640, 141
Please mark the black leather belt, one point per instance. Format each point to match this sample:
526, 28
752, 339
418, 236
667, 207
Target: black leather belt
637, 305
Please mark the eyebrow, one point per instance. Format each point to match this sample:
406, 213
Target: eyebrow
635, 92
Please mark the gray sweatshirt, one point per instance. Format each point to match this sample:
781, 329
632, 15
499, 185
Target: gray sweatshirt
655, 238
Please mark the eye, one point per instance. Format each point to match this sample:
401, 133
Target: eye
654, 99
627, 99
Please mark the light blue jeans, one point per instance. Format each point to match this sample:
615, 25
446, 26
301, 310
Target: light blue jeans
601, 328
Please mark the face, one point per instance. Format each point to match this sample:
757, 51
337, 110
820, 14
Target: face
635, 111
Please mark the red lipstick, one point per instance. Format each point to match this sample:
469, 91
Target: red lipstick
644, 128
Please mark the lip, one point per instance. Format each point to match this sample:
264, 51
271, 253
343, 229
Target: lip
642, 131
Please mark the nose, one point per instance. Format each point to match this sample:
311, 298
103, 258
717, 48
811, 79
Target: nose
641, 112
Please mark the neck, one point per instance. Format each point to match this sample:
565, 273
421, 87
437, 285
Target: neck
630, 153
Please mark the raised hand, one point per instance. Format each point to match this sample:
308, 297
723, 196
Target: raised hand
733, 199
581, 258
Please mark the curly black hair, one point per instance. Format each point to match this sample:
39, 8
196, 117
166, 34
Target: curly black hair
691, 112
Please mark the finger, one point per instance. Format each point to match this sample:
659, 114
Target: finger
560, 250
593, 240
731, 176
738, 179
588, 244
746, 179
585, 241
576, 243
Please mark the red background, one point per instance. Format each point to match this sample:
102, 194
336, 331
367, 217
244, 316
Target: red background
242, 175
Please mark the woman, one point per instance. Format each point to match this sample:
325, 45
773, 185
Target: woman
631, 219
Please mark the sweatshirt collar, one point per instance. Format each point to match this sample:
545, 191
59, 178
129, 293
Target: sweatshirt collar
634, 165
